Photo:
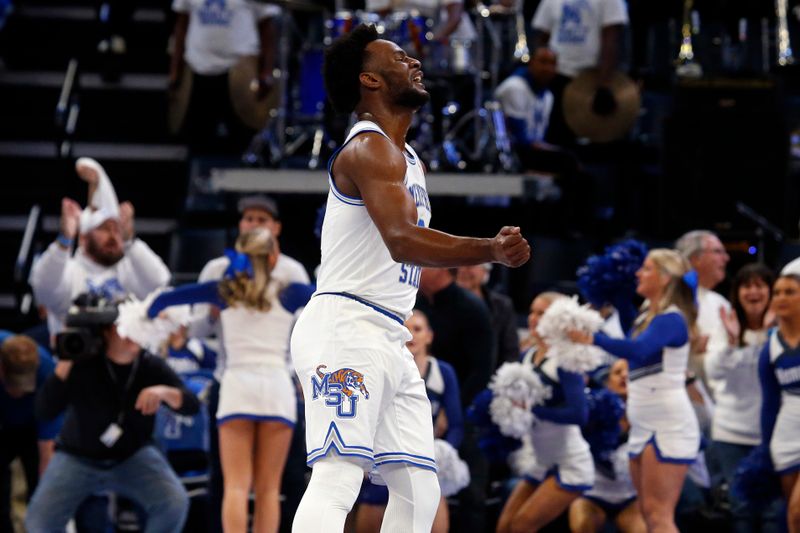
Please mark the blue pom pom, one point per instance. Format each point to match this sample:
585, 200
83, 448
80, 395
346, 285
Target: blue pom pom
611, 278
602, 432
495, 446
755, 480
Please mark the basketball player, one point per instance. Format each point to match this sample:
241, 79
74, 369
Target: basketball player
366, 403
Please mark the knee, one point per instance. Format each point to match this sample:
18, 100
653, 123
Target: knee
172, 506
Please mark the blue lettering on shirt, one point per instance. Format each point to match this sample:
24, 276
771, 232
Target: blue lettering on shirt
573, 26
215, 13
110, 289
410, 274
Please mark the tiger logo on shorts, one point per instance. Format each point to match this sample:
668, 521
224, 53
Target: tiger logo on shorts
340, 389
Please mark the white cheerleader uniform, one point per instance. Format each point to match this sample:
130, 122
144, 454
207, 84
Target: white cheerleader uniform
779, 370
659, 409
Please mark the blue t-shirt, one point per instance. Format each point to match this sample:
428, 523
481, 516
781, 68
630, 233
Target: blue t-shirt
19, 412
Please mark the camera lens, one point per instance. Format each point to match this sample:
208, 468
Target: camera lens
74, 345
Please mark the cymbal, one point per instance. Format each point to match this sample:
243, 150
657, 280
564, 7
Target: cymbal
243, 86
577, 105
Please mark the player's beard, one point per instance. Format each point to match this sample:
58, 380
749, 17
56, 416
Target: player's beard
411, 97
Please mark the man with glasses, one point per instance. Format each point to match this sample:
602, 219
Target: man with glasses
707, 255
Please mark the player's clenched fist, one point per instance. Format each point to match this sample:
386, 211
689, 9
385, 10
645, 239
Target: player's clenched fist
510, 248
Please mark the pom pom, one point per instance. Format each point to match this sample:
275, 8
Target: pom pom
494, 445
452, 471
132, 322
563, 315
516, 390
602, 432
523, 460
611, 277
755, 480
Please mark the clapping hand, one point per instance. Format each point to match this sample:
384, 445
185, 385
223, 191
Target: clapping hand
70, 218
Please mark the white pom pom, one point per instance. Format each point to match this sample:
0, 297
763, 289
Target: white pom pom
452, 471
515, 390
133, 323
566, 314
522, 460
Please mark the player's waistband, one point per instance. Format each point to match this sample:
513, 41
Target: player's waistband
376, 307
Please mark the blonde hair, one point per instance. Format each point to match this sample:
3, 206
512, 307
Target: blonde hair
676, 292
549, 296
240, 289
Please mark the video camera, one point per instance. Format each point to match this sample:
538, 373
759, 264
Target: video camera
86, 319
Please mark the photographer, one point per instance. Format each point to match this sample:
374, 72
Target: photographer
111, 390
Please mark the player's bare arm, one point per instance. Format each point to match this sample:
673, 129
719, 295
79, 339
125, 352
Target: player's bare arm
373, 169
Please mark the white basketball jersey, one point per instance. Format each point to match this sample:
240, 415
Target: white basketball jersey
355, 260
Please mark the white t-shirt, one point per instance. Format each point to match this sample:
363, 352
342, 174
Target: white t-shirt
575, 26
519, 101
222, 31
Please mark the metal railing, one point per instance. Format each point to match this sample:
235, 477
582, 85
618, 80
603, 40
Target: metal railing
22, 267
68, 109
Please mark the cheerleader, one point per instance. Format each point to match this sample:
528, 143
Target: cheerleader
664, 435
441, 385
257, 408
563, 466
613, 496
779, 372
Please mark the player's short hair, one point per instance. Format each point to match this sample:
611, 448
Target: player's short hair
344, 62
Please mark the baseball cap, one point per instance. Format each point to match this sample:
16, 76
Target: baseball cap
19, 357
260, 201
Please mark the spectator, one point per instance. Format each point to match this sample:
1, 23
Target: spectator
24, 367
583, 34
111, 398
501, 309
184, 354
735, 430
257, 211
463, 338
780, 380
212, 37
448, 421
707, 256
109, 261
255, 422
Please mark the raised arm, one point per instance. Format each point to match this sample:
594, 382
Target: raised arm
668, 329
371, 168
194, 293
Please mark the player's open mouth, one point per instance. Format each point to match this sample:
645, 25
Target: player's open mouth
417, 77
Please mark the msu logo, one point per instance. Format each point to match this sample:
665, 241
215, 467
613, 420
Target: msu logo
340, 389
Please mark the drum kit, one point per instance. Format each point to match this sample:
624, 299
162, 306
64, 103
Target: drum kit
467, 132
